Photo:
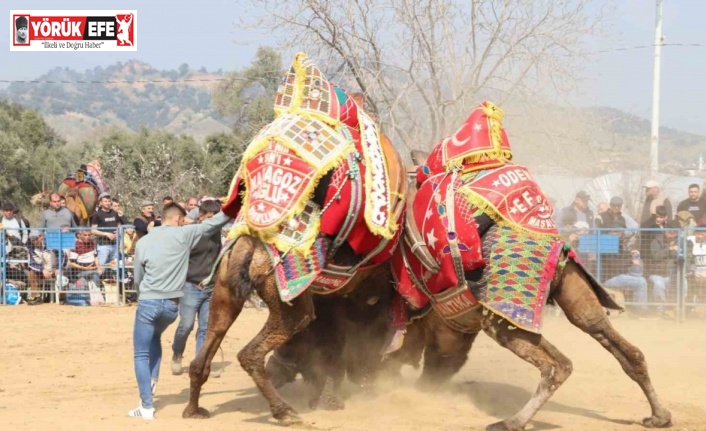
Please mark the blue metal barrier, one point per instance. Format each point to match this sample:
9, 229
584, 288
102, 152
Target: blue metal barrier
60, 242
600, 249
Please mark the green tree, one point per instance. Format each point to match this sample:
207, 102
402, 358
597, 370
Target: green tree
152, 164
34, 157
224, 151
248, 95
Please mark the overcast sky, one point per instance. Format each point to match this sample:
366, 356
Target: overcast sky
202, 33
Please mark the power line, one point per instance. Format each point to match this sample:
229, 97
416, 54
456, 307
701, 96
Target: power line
115, 81
630, 48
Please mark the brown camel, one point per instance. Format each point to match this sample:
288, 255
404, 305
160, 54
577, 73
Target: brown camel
445, 350
247, 268
346, 339
81, 202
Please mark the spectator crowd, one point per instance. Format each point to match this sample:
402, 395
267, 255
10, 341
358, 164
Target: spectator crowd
642, 263
34, 265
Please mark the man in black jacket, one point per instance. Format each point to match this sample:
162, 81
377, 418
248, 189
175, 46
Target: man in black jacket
580, 209
613, 216
197, 297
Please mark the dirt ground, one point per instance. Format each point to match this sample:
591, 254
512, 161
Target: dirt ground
70, 368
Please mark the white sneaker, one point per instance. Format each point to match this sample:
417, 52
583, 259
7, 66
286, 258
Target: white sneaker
177, 369
141, 412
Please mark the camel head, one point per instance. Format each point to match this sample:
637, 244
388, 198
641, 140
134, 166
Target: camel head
41, 199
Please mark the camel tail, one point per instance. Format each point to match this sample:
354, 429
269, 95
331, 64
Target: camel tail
241, 258
604, 297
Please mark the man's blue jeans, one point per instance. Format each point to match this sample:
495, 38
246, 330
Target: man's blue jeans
635, 284
152, 318
195, 301
106, 253
659, 287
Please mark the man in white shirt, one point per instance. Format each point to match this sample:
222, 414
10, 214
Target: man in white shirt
15, 228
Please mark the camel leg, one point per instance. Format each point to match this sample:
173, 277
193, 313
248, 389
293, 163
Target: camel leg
225, 308
555, 368
283, 322
446, 352
582, 308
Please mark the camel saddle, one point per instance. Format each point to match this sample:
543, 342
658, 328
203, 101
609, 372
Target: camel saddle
445, 220
319, 177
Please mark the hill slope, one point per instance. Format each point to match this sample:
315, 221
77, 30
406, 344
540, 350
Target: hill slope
88, 103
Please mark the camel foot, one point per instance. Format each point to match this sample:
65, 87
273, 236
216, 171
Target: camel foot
197, 413
502, 426
288, 417
427, 385
331, 402
662, 421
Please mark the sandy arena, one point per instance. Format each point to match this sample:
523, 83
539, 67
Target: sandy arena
70, 368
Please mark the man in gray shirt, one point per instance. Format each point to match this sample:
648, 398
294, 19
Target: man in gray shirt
161, 263
56, 216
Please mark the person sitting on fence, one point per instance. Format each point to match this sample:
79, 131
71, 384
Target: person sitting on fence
41, 262
84, 259
663, 254
632, 281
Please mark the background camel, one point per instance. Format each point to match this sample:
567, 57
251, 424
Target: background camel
81, 202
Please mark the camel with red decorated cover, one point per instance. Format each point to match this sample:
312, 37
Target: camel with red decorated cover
318, 203
481, 253
81, 191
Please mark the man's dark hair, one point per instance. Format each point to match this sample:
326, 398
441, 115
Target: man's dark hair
116, 200
170, 208
694, 186
209, 207
167, 198
661, 210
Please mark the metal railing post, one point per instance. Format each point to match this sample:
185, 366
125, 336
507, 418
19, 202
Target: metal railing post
3, 265
121, 262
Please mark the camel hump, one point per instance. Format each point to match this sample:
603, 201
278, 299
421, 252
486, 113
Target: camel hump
418, 157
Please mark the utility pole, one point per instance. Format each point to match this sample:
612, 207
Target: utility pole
654, 147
